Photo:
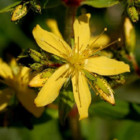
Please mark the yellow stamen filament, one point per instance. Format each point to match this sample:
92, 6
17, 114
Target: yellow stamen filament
119, 39
66, 49
63, 74
90, 84
77, 85
105, 29
52, 47
64, 55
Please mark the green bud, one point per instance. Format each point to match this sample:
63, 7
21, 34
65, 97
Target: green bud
47, 73
133, 14
130, 2
36, 56
19, 12
35, 6
119, 79
44, 62
36, 66
40, 79
115, 77
137, 2
130, 36
103, 88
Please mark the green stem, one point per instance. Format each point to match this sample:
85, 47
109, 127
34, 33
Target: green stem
69, 20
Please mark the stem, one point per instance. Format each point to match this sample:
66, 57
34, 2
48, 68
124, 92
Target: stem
69, 20
75, 128
68, 34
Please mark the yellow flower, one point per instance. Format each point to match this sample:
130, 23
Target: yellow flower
17, 79
78, 59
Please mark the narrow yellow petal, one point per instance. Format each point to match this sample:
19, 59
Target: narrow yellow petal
50, 42
105, 66
82, 31
5, 96
52, 87
52, 24
26, 98
5, 70
83, 97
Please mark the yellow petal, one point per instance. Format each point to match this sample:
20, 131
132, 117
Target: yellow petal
26, 98
105, 66
52, 24
37, 81
23, 74
82, 31
83, 98
50, 42
5, 96
52, 87
5, 70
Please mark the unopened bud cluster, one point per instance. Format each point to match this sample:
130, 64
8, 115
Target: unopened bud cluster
133, 9
38, 62
22, 9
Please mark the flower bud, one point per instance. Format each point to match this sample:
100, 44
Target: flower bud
36, 66
19, 12
40, 79
133, 14
35, 6
103, 89
137, 2
119, 79
130, 2
130, 36
36, 56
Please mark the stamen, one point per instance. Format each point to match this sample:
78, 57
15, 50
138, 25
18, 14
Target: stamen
77, 85
88, 57
73, 49
105, 29
90, 84
78, 44
53, 47
57, 50
68, 73
81, 47
62, 75
67, 51
119, 39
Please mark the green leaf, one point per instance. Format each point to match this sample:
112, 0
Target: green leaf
66, 103
10, 7
102, 109
100, 3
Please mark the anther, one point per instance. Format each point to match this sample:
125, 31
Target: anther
119, 39
100, 48
105, 29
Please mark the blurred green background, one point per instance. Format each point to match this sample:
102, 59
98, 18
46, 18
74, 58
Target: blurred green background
105, 122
